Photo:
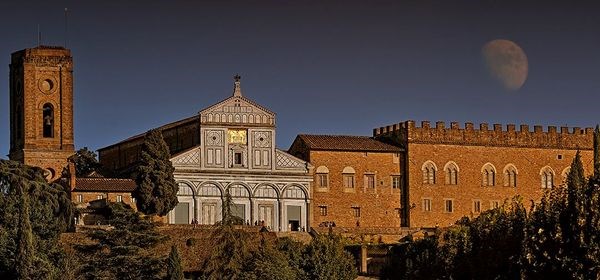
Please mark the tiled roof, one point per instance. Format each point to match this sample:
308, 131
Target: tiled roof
104, 185
346, 143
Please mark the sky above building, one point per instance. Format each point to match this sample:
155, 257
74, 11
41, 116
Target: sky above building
340, 67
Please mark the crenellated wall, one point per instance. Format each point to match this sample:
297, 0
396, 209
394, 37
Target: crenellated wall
496, 135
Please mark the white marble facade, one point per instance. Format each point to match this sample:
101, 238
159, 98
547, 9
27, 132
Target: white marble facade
238, 155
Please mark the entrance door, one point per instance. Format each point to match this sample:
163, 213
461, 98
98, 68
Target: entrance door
182, 213
294, 217
209, 214
265, 213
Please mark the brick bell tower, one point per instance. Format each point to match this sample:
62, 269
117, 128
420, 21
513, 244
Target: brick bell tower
41, 108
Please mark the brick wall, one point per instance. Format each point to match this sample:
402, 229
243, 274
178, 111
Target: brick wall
378, 206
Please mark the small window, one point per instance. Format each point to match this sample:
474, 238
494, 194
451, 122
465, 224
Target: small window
99, 196
323, 210
427, 204
356, 212
48, 120
395, 182
510, 176
370, 180
448, 205
237, 157
79, 198
133, 199
476, 206
348, 181
119, 198
495, 204
559, 157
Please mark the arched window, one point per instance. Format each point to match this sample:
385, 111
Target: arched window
322, 177
510, 176
48, 120
547, 177
429, 169
488, 175
565, 175
451, 170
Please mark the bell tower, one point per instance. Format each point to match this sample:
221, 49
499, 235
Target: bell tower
41, 108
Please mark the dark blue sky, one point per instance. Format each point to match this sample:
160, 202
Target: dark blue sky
343, 67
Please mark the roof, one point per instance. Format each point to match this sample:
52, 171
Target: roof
161, 128
346, 143
104, 185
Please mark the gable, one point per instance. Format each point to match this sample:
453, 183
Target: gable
286, 161
237, 110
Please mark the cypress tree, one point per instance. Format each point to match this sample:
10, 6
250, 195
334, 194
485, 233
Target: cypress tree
25, 251
156, 192
174, 269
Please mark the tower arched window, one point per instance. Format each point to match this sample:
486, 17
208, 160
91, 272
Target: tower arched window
429, 169
48, 120
451, 170
488, 175
510, 176
547, 177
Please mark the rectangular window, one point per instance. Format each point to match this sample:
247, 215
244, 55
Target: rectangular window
448, 205
396, 182
348, 181
323, 210
322, 180
370, 181
119, 198
257, 158
427, 204
210, 156
79, 198
99, 196
265, 158
356, 212
476, 206
133, 199
237, 158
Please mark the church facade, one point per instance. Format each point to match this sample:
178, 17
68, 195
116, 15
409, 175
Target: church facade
233, 152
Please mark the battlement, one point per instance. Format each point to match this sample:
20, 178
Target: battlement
496, 135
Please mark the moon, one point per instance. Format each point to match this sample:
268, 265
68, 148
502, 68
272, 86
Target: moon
506, 62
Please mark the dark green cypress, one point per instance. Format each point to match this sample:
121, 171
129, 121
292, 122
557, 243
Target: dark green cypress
156, 192
25, 250
174, 269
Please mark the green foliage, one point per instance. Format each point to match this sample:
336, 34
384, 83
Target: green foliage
231, 254
85, 161
487, 247
122, 252
325, 258
174, 269
156, 192
34, 214
269, 263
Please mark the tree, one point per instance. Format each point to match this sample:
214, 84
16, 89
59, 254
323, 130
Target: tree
25, 250
124, 252
174, 269
231, 254
325, 258
156, 192
41, 211
269, 263
85, 162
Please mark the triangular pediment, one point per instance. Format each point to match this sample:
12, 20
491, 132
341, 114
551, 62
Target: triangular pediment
237, 110
187, 158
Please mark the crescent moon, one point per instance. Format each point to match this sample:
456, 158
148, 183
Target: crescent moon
506, 62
